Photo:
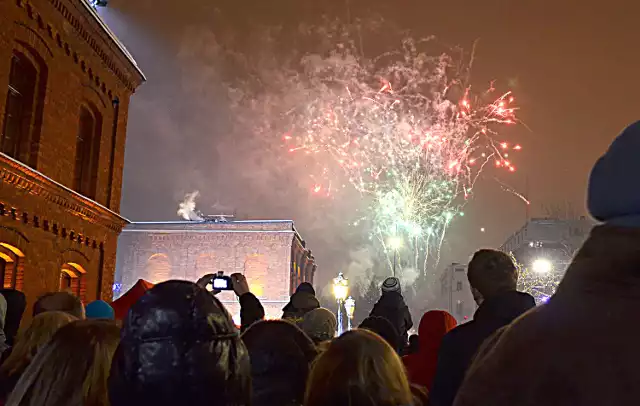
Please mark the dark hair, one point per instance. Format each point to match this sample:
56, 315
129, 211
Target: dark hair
72, 369
383, 328
492, 272
281, 356
414, 344
358, 369
179, 347
61, 302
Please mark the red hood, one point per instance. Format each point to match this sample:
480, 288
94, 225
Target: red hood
433, 326
421, 366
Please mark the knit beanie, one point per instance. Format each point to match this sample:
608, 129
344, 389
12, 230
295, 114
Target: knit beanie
99, 309
306, 287
613, 196
320, 324
391, 284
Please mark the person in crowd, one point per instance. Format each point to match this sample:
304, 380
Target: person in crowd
384, 329
281, 356
358, 369
251, 309
320, 325
392, 307
414, 344
302, 302
61, 302
16, 304
3, 314
99, 309
493, 277
29, 342
581, 348
421, 366
180, 347
71, 369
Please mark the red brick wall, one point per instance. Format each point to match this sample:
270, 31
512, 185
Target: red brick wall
50, 225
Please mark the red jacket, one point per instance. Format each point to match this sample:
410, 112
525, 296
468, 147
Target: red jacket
421, 366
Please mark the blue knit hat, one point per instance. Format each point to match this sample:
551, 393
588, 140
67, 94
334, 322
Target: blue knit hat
614, 196
99, 310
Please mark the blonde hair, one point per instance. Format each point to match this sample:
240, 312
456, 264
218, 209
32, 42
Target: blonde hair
29, 341
72, 370
358, 368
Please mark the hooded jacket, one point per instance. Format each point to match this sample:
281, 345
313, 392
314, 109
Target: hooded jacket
301, 303
179, 347
421, 366
392, 307
461, 344
16, 303
581, 348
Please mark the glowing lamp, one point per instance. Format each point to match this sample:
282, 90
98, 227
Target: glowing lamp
395, 242
340, 288
350, 306
542, 266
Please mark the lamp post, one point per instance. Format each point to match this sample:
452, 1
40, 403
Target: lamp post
340, 292
350, 308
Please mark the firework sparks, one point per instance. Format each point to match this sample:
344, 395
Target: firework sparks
403, 130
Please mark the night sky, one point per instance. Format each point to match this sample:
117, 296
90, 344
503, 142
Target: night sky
573, 66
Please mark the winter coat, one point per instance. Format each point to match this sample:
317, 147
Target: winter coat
16, 303
581, 348
301, 303
179, 347
460, 344
392, 307
251, 310
421, 366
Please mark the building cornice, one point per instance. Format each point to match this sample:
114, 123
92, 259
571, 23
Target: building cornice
22, 177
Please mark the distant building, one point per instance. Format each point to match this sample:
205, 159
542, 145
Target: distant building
65, 84
271, 254
543, 248
455, 292
554, 240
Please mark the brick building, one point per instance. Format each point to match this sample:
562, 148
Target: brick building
65, 84
271, 254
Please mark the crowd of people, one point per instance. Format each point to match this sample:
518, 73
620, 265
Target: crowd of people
178, 345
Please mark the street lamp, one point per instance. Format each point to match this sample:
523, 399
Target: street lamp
340, 292
542, 266
395, 243
350, 308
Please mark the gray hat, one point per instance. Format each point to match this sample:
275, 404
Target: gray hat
391, 284
320, 324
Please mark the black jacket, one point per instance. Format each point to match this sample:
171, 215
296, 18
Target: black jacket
392, 307
460, 345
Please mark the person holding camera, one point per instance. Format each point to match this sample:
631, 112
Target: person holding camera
251, 309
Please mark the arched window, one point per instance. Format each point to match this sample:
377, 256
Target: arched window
158, 268
23, 109
87, 151
72, 280
11, 266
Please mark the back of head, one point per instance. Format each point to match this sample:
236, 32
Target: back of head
72, 369
29, 342
306, 287
611, 198
179, 346
433, 326
391, 284
99, 309
383, 328
281, 356
358, 369
492, 272
16, 303
60, 302
320, 325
